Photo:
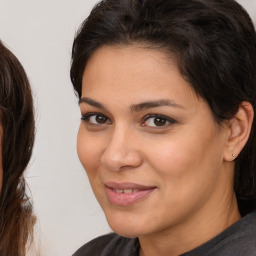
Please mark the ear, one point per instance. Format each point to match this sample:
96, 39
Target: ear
239, 131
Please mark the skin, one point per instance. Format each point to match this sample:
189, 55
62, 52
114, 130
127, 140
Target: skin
184, 159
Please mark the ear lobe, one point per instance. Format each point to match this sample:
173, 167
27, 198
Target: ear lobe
239, 131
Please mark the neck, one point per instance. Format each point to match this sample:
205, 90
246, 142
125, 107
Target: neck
186, 236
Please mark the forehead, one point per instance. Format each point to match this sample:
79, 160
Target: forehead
131, 59
134, 71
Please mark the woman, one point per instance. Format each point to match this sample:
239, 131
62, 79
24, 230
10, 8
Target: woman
17, 139
167, 92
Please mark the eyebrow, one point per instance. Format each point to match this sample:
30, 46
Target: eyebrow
91, 102
135, 107
155, 104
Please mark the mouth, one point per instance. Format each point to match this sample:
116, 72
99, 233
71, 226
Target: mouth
125, 191
123, 194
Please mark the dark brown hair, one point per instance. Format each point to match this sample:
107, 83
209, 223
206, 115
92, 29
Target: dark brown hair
17, 139
214, 45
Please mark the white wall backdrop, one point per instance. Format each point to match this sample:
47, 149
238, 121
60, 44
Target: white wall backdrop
40, 34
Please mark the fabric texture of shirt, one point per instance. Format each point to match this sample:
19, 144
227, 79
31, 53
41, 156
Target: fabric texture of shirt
237, 240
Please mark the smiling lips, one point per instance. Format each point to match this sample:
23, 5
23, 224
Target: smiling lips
126, 193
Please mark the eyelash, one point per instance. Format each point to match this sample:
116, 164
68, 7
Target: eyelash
166, 119
87, 117
162, 118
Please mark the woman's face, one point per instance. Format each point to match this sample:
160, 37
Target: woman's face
150, 146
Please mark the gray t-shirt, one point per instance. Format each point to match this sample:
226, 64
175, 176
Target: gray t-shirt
237, 240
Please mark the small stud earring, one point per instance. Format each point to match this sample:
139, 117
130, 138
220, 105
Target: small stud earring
233, 155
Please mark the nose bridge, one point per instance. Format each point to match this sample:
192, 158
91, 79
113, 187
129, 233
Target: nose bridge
121, 150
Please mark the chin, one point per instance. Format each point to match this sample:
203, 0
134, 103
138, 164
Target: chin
126, 232
126, 227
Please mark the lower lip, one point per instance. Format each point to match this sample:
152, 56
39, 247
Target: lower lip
123, 199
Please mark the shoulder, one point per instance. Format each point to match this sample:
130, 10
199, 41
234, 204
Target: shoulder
239, 239
110, 244
96, 245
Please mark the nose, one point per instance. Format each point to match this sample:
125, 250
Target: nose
122, 151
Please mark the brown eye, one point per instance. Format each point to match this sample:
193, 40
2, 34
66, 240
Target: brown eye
158, 121
95, 119
100, 119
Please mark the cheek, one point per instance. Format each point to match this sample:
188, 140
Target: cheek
185, 161
88, 150
187, 179
174, 158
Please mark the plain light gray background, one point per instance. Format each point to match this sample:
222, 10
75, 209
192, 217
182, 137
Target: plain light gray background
40, 34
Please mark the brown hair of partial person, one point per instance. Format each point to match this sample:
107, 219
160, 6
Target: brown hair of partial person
17, 139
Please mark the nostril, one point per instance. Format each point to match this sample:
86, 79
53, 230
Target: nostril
121, 160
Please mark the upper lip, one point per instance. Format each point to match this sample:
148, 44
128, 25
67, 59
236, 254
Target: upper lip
127, 185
